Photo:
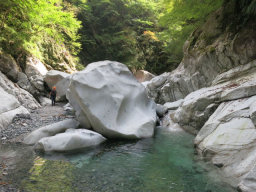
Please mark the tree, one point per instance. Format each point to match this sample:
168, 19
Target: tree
33, 27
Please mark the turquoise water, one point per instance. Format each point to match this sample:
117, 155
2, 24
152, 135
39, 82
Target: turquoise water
164, 163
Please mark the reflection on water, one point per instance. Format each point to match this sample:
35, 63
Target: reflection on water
160, 164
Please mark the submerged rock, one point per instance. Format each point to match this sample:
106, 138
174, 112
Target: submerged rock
108, 98
72, 139
50, 130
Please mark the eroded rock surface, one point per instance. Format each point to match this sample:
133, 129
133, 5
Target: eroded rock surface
199, 105
108, 98
50, 130
228, 139
9, 108
72, 139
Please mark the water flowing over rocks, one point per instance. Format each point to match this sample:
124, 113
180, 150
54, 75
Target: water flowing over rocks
72, 139
108, 98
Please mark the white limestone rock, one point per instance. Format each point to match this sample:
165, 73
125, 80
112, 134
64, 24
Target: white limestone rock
44, 101
35, 67
72, 139
59, 79
9, 107
61, 88
199, 105
174, 105
108, 98
168, 124
24, 97
53, 77
248, 183
35, 71
228, 138
252, 112
8, 102
50, 130
161, 110
7, 117
69, 109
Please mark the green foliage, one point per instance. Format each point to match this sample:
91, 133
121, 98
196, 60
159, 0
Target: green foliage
114, 30
179, 18
33, 27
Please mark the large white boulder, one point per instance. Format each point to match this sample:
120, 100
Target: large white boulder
59, 79
53, 77
72, 139
108, 98
50, 130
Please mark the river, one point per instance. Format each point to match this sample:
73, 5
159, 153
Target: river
164, 163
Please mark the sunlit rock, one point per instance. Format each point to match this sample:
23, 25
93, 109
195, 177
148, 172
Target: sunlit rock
9, 108
108, 98
161, 110
72, 139
142, 75
24, 97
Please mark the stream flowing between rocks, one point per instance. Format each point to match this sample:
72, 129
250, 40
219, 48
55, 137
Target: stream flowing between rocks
164, 163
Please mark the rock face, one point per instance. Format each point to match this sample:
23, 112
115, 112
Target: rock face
72, 139
50, 130
142, 75
9, 66
9, 108
108, 98
228, 139
211, 49
199, 105
59, 79
24, 97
